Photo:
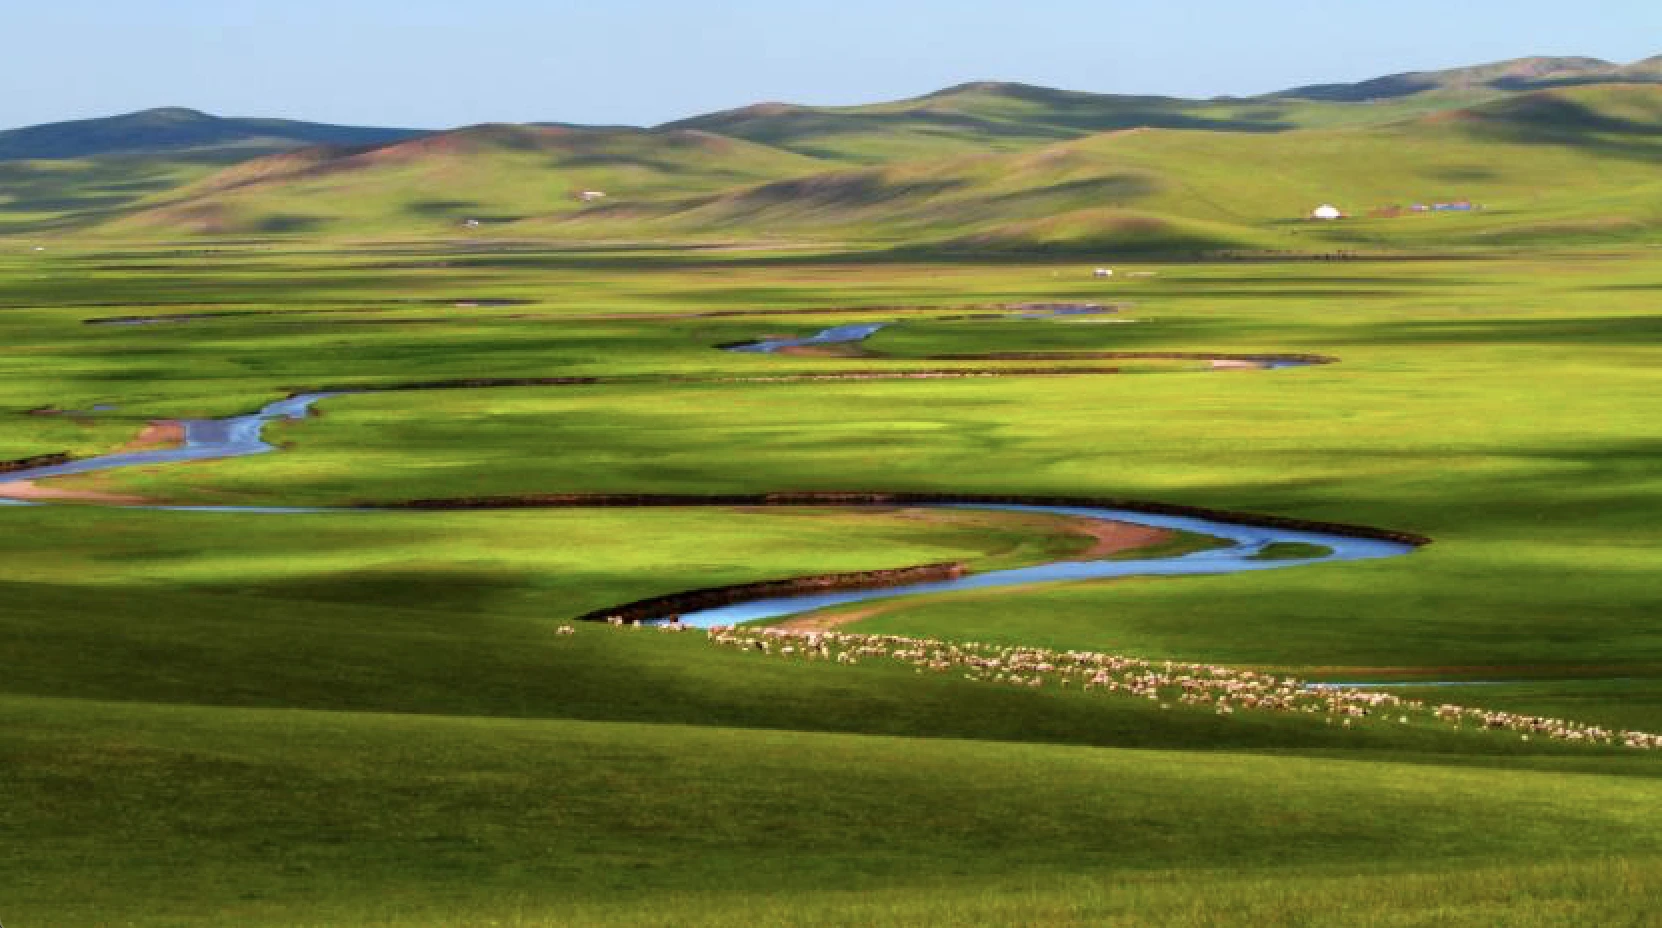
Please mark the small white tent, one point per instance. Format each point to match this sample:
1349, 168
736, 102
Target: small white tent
1327, 211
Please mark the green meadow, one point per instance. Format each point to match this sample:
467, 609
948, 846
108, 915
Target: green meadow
367, 718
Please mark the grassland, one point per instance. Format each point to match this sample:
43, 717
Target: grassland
366, 719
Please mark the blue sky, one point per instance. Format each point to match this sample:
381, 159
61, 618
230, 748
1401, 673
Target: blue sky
423, 63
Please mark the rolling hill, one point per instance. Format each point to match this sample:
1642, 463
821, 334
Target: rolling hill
1495, 78
978, 117
1572, 162
1001, 116
436, 184
179, 130
70, 174
1550, 147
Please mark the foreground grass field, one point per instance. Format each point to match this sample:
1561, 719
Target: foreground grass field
366, 718
418, 819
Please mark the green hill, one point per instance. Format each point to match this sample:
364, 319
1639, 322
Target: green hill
980, 166
69, 174
1006, 117
992, 116
436, 184
1568, 162
175, 129
986, 116
1482, 80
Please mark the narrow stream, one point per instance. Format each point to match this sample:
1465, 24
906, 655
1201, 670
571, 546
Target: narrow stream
205, 440
1247, 542
854, 333
238, 436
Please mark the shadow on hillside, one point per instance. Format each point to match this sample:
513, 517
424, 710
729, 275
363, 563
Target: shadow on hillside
284, 224
811, 133
440, 208
1115, 190
1380, 88
45, 196
841, 191
1542, 119
1587, 330
1464, 174
1543, 83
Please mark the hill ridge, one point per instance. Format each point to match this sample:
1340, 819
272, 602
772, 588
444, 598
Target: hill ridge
171, 129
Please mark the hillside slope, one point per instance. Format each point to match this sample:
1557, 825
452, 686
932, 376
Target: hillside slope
436, 184
1499, 76
978, 117
1571, 162
175, 129
1568, 164
1005, 117
1001, 117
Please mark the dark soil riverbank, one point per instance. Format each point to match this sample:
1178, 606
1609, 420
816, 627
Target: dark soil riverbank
673, 604
39, 460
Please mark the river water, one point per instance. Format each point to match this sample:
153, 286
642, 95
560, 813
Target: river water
1246, 541
237, 436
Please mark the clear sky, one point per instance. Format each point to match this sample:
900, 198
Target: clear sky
430, 64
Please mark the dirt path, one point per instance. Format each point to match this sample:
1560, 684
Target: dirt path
828, 621
162, 433
30, 491
1117, 537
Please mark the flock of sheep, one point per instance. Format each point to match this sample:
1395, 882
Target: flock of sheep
1225, 690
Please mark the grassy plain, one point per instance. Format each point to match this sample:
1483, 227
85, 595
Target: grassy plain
364, 718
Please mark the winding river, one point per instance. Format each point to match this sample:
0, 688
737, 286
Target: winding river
853, 333
237, 436
1246, 543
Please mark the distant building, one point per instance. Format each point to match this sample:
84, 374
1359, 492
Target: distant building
1445, 206
1103, 272
590, 196
1326, 211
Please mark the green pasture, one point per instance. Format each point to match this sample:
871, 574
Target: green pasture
365, 718
1447, 415
292, 817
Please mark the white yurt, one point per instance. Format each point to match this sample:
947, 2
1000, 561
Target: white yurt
1326, 211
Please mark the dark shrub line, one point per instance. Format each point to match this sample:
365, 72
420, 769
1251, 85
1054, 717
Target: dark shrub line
39, 460
674, 604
